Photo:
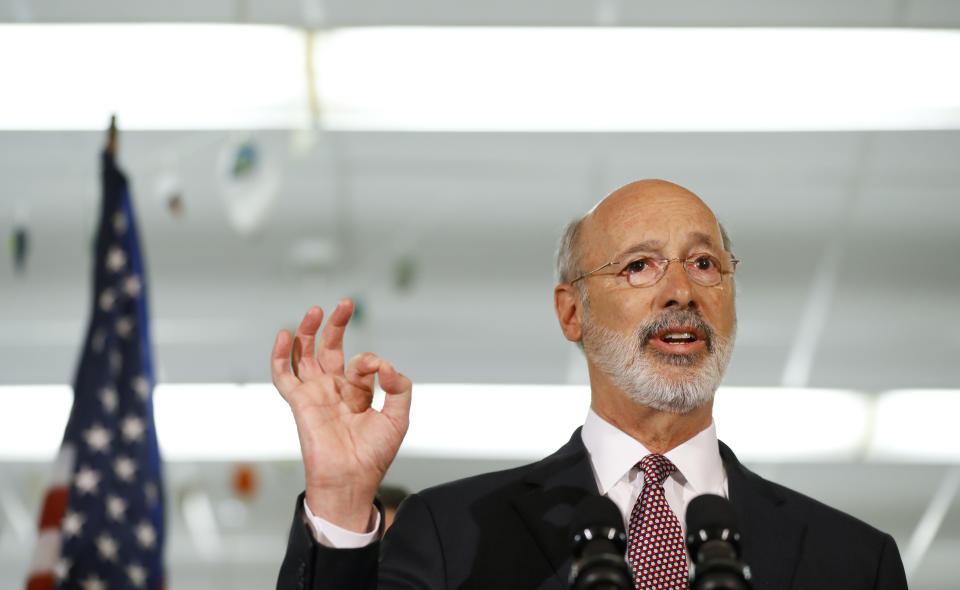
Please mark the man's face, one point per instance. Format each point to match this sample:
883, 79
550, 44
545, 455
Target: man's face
665, 345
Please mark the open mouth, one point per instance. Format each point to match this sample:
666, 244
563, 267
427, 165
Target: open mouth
679, 335
679, 340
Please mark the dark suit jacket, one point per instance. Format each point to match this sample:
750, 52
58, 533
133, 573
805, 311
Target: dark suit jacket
510, 529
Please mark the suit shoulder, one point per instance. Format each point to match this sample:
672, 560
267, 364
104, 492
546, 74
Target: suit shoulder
506, 481
816, 513
828, 531
797, 505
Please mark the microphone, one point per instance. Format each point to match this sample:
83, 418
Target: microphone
599, 543
713, 540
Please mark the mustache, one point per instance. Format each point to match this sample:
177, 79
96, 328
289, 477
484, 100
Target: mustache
673, 320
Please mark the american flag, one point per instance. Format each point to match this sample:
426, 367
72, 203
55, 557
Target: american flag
101, 525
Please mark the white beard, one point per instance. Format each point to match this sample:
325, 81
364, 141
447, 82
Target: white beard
670, 383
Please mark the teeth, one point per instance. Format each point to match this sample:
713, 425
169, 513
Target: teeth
679, 336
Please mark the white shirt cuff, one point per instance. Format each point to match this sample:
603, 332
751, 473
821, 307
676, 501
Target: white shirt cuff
330, 535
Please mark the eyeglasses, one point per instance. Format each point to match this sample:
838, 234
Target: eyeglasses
703, 269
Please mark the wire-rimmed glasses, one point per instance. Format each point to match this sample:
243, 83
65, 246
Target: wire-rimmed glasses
702, 268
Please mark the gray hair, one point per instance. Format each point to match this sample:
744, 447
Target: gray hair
568, 263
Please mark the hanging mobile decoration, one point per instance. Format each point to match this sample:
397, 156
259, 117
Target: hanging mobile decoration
405, 273
245, 481
20, 240
169, 191
359, 311
248, 181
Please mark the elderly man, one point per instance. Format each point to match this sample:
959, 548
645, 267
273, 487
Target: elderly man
646, 289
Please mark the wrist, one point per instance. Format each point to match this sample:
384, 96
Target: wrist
352, 510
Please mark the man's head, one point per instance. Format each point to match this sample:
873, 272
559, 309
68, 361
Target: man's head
664, 342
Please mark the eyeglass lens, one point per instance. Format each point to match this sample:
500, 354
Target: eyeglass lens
703, 269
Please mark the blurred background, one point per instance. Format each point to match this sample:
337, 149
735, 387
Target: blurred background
422, 158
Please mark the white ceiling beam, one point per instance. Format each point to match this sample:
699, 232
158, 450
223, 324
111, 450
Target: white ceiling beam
930, 522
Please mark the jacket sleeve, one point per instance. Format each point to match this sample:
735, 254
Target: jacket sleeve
412, 555
890, 574
409, 557
308, 565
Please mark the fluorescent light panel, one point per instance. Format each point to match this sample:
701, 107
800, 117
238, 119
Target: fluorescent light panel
227, 422
161, 76
154, 76
622, 79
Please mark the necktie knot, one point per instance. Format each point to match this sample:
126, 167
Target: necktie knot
656, 469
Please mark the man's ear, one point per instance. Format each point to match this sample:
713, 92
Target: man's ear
566, 300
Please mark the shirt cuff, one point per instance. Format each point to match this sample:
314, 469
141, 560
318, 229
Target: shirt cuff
330, 535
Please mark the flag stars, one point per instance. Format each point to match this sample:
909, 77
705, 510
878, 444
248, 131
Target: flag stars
125, 468
132, 286
124, 327
137, 574
109, 399
106, 547
151, 493
98, 439
116, 361
141, 386
61, 569
116, 507
86, 480
119, 223
72, 524
98, 340
93, 582
133, 429
107, 299
146, 536
116, 259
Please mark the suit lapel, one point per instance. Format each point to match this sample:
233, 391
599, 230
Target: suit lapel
771, 537
557, 484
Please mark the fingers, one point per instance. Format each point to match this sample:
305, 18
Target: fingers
330, 354
360, 377
303, 344
398, 388
362, 370
280, 364
356, 384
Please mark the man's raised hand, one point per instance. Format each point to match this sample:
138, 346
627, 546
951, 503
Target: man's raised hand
347, 445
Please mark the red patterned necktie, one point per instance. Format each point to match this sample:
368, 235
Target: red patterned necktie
656, 549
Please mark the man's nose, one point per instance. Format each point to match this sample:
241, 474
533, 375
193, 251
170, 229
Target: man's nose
676, 288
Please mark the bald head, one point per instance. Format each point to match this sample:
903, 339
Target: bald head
644, 202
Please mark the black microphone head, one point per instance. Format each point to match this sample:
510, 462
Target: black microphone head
711, 517
713, 539
599, 543
597, 516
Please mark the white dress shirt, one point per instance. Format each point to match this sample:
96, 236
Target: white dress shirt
613, 457
330, 535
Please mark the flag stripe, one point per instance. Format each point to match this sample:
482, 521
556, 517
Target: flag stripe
54, 506
47, 551
44, 581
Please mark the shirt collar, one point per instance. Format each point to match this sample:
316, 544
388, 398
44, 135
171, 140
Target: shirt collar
613, 453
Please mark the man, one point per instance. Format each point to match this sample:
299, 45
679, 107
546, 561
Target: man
646, 288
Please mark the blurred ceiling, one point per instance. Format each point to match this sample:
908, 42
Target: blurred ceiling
340, 13
447, 242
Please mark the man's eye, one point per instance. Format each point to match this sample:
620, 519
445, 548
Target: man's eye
638, 265
705, 262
